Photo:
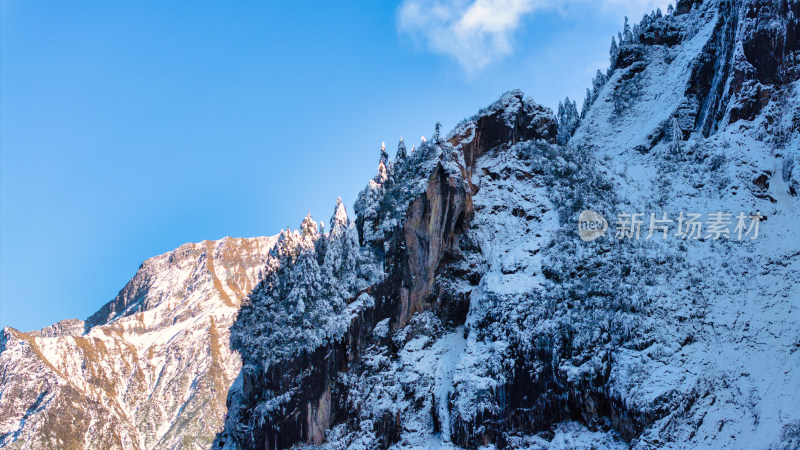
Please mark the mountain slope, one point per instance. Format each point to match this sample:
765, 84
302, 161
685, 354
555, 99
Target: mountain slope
151, 369
493, 323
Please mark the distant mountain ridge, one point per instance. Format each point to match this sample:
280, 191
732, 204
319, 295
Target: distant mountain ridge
150, 369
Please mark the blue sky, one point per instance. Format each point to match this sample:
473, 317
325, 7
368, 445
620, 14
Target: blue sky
129, 128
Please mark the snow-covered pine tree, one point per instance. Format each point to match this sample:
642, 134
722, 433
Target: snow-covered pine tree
342, 260
437, 138
321, 244
587, 102
568, 120
383, 165
384, 153
399, 164
613, 53
299, 301
597, 83
265, 318
401, 151
670, 9
309, 227
304, 281
369, 200
626, 31
647, 19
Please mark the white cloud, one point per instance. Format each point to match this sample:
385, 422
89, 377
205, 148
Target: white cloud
474, 32
479, 32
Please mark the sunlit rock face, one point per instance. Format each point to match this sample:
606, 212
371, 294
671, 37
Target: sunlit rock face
151, 369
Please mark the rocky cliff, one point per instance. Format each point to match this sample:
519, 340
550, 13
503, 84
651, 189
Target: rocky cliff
421, 212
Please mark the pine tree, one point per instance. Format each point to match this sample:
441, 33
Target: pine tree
597, 83
398, 167
647, 19
369, 201
308, 228
401, 150
342, 256
626, 31
568, 120
321, 244
286, 249
339, 220
298, 301
383, 166
437, 139
587, 102
613, 52
658, 13
670, 9
295, 287
384, 154
305, 283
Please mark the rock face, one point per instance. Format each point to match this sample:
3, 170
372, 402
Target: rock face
429, 233
151, 369
435, 221
299, 399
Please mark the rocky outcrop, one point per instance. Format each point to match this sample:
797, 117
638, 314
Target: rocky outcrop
306, 395
506, 122
770, 40
754, 54
435, 220
431, 230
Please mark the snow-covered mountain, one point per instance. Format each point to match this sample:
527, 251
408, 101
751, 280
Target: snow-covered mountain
151, 369
493, 323
461, 308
